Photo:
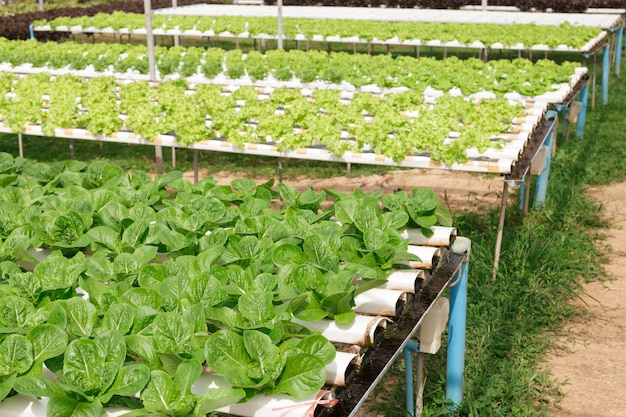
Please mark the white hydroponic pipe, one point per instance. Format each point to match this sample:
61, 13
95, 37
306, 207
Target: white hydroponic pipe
337, 372
362, 331
428, 256
442, 236
279, 405
404, 280
379, 301
26, 406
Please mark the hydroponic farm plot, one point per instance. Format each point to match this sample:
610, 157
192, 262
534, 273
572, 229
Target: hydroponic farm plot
244, 27
564, 37
518, 79
387, 14
227, 297
498, 153
543, 80
352, 377
608, 22
236, 122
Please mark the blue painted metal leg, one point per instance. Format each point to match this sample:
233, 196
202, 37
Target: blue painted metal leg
522, 194
456, 339
410, 348
582, 115
605, 75
31, 29
618, 50
542, 179
563, 110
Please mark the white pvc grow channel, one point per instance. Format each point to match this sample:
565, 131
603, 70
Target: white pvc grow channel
604, 21
491, 161
589, 46
358, 340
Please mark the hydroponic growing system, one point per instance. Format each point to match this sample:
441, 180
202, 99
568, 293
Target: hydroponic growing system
133, 296
484, 31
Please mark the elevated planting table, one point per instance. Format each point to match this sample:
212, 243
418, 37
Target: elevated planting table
410, 305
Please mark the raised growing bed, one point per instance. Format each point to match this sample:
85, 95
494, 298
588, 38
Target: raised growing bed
322, 126
194, 295
231, 23
543, 80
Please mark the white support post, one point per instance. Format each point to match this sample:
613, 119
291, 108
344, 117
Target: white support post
149, 39
280, 24
176, 38
152, 71
20, 145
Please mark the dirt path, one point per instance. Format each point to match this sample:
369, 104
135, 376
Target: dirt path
593, 365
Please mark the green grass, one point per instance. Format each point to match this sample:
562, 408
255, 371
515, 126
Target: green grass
546, 255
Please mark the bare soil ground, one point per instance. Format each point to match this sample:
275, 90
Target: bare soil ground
591, 358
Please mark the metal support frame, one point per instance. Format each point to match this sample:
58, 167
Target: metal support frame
456, 339
150, 40
541, 188
618, 50
176, 38
457, 321
593, 81
605, 70
542, 180
563, 110
605, 74
413, 403
279, 11
152, 71
518, 178
500, 232
195, 166
582, 116
158, 152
